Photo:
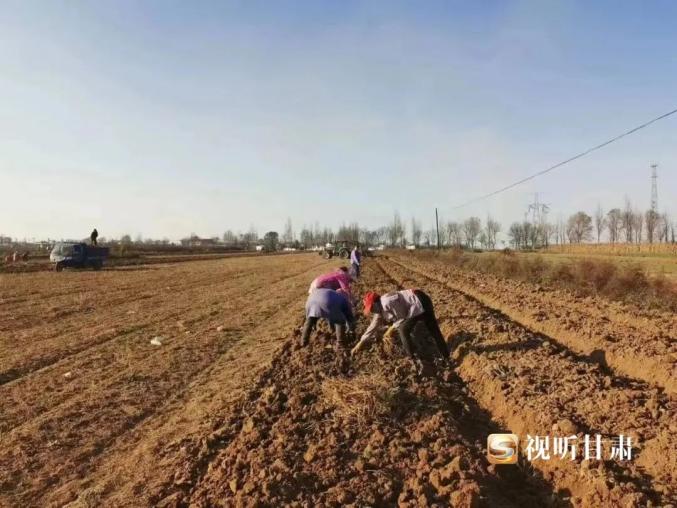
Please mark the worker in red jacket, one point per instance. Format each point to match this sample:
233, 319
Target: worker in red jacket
403, 309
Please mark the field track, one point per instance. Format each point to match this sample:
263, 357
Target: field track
228, 411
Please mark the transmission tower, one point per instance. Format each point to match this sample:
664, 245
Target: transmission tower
538, 211
654, 188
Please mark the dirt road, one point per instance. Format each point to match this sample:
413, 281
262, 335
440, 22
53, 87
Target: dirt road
229, 412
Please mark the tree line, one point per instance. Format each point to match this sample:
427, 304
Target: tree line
472, 233
617, 225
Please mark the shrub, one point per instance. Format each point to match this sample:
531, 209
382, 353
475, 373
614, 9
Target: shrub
584, 276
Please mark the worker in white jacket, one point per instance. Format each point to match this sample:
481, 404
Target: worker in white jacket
403, 309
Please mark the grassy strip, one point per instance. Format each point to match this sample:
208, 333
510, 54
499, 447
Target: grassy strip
628, 283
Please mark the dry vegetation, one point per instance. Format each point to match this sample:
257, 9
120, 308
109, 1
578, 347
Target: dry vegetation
362, 399
625, 282
617, 249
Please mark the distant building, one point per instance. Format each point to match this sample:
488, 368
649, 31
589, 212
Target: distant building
5, 240
195, 241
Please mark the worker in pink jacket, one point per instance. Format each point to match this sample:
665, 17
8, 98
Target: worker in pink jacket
338, 280
402, 309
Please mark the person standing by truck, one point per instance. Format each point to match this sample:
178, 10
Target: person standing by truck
404, 309
94, 236
355, 260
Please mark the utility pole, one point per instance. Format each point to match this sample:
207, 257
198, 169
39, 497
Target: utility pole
654, 188
437, 226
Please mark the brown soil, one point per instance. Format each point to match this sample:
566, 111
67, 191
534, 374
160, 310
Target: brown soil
90, 407
632, 341
532, 382
230, 412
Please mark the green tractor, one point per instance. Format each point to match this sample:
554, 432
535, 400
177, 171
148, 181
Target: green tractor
340, 248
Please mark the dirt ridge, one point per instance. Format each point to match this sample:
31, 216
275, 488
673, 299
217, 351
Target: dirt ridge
531, 383
642, 351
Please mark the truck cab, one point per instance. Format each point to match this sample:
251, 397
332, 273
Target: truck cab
77, 255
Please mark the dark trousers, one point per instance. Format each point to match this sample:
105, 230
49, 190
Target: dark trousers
340, 329
428, 317
355, 270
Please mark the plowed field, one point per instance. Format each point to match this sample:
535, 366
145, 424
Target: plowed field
229, 411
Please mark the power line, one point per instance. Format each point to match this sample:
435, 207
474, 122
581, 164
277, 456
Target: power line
560, 164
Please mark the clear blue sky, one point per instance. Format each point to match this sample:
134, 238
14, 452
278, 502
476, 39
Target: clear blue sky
165, 118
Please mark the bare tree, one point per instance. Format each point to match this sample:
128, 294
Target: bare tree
627, 220
579, 227
251, 236
600, 221
427, 237
549, 230
381, 235
415, 231
613, 222
491, 229
455, 233
444, 234
663, 227
561, 231
516, 235
288, 235
483, 239
306, 237
637, 225
652, 221
396, 231
471, 229
350, 232
229, 238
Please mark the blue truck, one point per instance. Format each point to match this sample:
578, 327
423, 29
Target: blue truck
77, 255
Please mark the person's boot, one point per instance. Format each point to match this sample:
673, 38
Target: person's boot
342, 356
307, 330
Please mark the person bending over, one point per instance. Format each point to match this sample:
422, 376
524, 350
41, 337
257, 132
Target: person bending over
404, 309
336, 309
338, 279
